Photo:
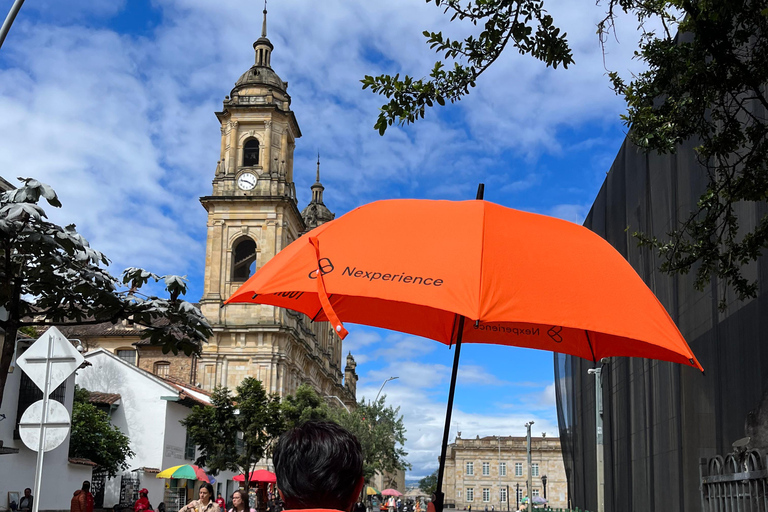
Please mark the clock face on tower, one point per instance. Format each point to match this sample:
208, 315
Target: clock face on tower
246, 181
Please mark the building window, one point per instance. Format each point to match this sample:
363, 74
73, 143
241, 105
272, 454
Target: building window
251, 153
189, 448
470, 494
243, 259
486, 495
162, 369
518, 469
486, 468
502, 469
470, 468
503, 495
534, 469
458, 493
126, 354
519, 494
535, 492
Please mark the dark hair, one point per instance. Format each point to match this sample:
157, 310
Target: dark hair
209, 487
318, 465
243, 498
86, 485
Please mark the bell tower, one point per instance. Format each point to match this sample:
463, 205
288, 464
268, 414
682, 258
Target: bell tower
252, 215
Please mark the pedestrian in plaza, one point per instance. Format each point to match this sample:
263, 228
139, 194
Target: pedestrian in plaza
142, 503
319, 465
25, 503
205, 503
220, 502
240, 502
82, 499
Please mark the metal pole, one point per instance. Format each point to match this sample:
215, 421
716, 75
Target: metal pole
499, 438
7, 26
439, 495
599, 449
530, 469
43, 421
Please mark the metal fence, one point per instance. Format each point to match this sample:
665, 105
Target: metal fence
736, 483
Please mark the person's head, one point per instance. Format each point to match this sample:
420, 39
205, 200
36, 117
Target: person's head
27, 492
239, 499
86, 486
218, 497
318, 465
143, 492
206, 492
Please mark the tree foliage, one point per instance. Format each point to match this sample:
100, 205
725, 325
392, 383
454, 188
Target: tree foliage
50, 275
94, 437
428, 484
236, 433
304, 405
705, 84
381, 433
521, 24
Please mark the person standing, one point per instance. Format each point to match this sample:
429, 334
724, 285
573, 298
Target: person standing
143, 502
204, 504
220, 502
82, 499
25, 503
240, 502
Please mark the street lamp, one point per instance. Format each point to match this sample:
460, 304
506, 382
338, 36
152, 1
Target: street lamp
530, 466
339, 399
382, 387
544, 484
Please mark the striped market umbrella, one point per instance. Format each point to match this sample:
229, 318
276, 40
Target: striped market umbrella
371, 491
186, 472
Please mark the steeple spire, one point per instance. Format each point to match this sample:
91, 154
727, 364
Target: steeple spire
318, 168
264, 23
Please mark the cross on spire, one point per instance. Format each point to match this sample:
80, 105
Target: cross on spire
264, 23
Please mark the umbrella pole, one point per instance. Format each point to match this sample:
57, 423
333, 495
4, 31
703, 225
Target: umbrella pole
439, 495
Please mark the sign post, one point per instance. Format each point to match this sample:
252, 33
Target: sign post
45, 424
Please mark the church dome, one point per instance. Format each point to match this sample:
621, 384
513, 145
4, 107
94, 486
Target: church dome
260, 75
316, 212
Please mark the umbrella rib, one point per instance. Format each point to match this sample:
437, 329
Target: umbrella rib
314, 318
594, 360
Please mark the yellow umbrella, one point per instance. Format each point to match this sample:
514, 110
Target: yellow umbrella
370, 491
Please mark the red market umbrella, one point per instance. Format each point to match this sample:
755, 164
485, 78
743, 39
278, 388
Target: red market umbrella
260, 475
470, 272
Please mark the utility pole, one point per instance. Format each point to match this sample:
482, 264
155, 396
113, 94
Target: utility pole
530, 469
597, 372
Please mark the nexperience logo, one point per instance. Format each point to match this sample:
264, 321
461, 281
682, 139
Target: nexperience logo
553, 332
326, 267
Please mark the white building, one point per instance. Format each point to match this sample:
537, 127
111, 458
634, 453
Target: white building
148, 410
61, 475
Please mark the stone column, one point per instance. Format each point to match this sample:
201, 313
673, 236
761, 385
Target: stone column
223, 142
267, 164
232, 147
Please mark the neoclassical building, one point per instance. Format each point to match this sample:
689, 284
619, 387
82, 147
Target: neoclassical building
492, 471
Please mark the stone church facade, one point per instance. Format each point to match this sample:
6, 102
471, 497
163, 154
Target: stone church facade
253, 214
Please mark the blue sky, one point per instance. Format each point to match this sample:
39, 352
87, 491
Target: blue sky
112, 103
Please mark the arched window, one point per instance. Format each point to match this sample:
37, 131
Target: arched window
251, 153
162, 369
244, 259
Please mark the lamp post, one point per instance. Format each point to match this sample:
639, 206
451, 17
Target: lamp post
382, 387
517, 495
530, 468
544, 484
9, 20
599, 449
339, 399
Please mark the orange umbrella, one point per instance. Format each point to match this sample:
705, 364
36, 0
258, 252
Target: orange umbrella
520, 279
472, 272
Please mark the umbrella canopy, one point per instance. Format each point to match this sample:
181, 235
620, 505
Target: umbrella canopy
260, 475
371, 491
472, 272
519, 279
185, 472
391, 492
